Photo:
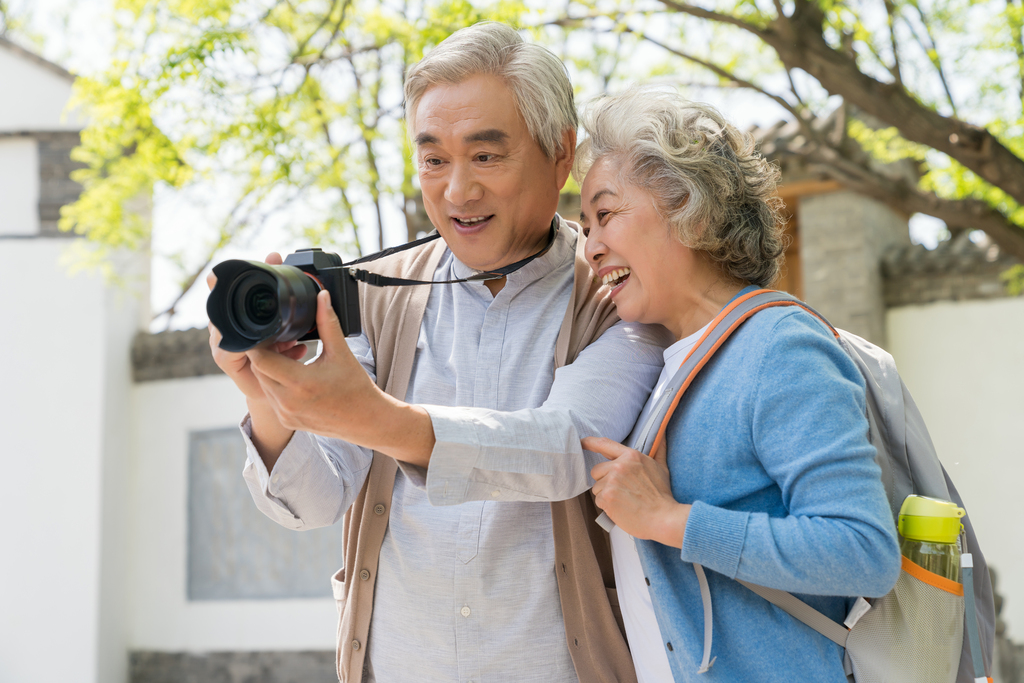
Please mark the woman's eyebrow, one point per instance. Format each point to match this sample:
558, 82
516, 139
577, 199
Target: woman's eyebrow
601, 193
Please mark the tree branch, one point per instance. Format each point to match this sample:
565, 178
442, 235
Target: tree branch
890, 11
800, 43
931, 51
701, 13
724, 74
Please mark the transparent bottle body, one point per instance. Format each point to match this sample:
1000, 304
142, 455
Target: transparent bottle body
938, 558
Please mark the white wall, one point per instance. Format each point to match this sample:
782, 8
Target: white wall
34, 96
964, 364
55, 385
162, 618
19, 186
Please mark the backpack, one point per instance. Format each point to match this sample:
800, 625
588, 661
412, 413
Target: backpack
886, 640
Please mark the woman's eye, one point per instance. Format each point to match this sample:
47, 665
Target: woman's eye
586, 231
601, 215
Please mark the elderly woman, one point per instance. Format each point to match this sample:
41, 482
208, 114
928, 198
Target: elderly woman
768, 475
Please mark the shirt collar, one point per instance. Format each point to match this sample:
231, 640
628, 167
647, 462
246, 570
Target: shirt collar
562, 248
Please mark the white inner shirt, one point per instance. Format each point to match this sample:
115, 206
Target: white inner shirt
645, 642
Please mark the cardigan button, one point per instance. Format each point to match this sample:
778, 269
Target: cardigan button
355, 644
364, 575
378, 509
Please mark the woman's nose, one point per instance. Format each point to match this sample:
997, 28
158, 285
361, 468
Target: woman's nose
594, 250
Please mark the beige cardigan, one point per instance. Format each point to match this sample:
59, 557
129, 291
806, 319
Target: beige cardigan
586, 585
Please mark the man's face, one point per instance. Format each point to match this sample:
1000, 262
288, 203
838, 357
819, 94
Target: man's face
487, 186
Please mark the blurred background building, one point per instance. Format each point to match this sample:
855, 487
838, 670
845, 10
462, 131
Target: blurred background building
132, 550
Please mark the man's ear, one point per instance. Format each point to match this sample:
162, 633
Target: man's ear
565, 157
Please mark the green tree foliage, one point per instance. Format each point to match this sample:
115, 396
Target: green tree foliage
937, 82
296, 105
298, 102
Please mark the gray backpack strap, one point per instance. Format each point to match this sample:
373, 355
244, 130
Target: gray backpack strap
645, 436
801, 611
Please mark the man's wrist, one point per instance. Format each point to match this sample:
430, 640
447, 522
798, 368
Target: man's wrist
269, 437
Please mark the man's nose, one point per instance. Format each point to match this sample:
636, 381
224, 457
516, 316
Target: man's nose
462, 186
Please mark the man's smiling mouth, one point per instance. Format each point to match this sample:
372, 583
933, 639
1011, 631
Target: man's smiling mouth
616, 277
470, 222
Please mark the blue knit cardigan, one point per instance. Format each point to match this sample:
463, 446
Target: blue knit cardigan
770, 446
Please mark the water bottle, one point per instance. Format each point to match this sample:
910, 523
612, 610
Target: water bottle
930, 527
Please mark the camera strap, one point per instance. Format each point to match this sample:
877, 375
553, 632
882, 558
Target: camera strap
378, 280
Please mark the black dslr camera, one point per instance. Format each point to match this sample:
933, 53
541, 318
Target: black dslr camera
253, 303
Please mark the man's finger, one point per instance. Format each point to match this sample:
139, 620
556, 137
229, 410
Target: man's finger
273, 365
273, 259
211, 280
327, 325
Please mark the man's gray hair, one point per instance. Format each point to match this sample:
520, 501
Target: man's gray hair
707, 181
536, 78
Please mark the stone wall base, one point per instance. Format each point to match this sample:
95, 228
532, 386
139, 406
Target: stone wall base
233, 667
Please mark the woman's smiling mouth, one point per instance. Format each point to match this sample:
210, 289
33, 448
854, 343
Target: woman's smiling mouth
616, 277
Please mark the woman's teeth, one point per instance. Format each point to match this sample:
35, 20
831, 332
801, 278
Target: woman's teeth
615, 277
471, 221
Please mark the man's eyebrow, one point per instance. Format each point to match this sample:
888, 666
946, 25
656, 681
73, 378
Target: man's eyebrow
426, 139
489, 135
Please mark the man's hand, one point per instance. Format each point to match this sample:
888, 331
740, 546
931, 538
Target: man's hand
268, 435
236, 365
636, 493
333, 396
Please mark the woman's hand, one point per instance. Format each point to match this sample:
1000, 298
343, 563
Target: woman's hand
636, 492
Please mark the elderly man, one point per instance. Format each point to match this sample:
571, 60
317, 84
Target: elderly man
445, 430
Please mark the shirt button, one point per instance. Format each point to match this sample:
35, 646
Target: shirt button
364, 575
355, 644
378, 509
465, 611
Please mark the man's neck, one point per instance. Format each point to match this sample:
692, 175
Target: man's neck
495, 285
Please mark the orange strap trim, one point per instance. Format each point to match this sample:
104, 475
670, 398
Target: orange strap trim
932, 579
714, 323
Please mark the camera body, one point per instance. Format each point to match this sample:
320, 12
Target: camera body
327, 268
255, 303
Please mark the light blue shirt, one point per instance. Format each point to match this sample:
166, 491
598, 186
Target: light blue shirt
466, 587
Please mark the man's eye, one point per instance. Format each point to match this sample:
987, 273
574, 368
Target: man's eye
484, 157
432, 161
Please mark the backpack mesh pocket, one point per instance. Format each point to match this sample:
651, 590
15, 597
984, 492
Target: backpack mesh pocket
914, 634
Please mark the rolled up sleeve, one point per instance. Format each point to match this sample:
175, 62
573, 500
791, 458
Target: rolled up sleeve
315, 479
535, 454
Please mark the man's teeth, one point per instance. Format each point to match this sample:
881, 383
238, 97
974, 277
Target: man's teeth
471, 221
615, 277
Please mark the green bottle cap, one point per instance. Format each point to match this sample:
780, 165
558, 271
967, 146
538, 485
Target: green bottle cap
930, 519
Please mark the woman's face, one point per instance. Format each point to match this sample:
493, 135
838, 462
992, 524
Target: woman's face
631, 248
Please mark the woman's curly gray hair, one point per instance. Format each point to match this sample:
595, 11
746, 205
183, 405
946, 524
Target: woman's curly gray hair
704, 175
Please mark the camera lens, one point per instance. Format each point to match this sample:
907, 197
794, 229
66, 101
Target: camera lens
253, 304
261, 304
